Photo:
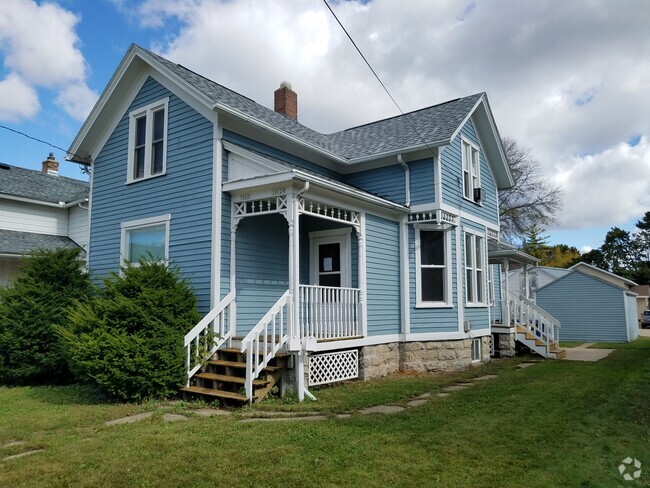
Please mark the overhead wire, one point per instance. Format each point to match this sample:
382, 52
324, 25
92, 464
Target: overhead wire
43, 142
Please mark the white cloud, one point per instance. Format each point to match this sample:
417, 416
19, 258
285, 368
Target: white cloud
585, 249
17, 99
39, 44
564, 78
77, 100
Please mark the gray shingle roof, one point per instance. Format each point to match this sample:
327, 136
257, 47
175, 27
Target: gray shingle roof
34, 185
13, 242
434, 124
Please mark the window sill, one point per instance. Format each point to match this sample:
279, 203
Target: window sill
478, 204
144, 178
476, 305
433, 305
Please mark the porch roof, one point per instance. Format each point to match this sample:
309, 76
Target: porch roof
499, 251
22, 243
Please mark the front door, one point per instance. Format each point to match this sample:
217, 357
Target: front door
330, 258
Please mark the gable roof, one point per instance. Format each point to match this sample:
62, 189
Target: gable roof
21, 243
34, 185
598, 271
434, 126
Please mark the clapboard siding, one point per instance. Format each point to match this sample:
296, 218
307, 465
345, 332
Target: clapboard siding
27, 217
632, 318
444, 319
452, 173
78, 225
388, 182
496, 276
262, 267
185, 192
422, 181
382, 276
588, 309
256, 146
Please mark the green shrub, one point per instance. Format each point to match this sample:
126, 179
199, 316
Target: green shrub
128, 341
30, 350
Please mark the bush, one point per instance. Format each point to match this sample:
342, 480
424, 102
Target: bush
128, 341
30, 350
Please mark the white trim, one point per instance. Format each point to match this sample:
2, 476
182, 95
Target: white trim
437, 174
427, 207
464, 141
343, 237
215, 235
460, 280
363, 285
479, 350
405, 285
473, 236
90, 211
467, 117
143, 223
147, 111
447, 278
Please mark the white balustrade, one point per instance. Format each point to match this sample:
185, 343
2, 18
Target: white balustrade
328, 312
534, 319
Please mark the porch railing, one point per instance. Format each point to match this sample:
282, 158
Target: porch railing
209, 334
327, 312
534, 319
264, 341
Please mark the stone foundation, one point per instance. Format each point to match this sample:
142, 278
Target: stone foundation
385, 359
504, 345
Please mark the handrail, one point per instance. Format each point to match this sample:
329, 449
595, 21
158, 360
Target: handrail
209, 334
264, 341
534, 319
329, 312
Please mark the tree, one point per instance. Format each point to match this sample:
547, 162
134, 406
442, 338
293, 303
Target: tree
643, 237
534, 243
619, 250
561, 256
533, 199
38, 301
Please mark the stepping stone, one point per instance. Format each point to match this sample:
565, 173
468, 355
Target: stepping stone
173, 403
384, 409
424, 396
209, 412
443, 394
271, 414
485, 377
130, 419
417, 402
447, 389
23, 454
173, 417
310, 418
525, 365
343, 415
14, 443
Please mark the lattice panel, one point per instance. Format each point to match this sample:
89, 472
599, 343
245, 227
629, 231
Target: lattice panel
491, 343
333, 366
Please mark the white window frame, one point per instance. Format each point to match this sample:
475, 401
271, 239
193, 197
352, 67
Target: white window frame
470, 265
126, 227
343, 237
447, 280
148, 111
477, 349
473, 173
491, 289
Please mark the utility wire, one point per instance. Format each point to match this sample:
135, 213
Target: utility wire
43, 142
378, 79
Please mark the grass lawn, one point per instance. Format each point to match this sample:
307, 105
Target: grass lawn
558, 423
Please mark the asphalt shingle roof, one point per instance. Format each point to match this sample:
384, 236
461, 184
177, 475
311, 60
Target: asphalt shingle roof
13, 242
434, 124
34, 185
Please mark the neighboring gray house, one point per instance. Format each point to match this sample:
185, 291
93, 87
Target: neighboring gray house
591, 304
39, 210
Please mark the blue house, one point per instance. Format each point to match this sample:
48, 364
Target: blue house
353, 254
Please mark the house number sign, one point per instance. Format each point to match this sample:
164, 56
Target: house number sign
279, 191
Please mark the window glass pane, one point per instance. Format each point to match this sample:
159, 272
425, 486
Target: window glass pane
433, 289
470, 286
138, 169
469, 262
474, 153
157, 157
329, 257
468, 187
329, 279
479, 252
146, 240
140, 130
432, 248
159, 125
479, 286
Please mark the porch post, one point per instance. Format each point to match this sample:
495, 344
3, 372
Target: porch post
233, 273
524, 284
361, 249
506, 284
293, 217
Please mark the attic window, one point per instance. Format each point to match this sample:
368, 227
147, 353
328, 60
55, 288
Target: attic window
471, 169
147, 141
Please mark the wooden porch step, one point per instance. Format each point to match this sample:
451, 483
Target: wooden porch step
239, 365
234, 350
216, 393
224, 378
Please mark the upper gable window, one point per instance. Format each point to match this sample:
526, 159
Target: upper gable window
471, 170
148, 141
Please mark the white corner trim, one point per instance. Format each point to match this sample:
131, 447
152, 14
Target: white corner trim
405, 285
460, 280
215, 235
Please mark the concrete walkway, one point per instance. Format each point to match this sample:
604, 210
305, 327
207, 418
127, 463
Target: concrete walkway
583, 353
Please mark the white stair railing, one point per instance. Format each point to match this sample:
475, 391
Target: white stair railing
264, 341
328, 312
209, 334
534, 319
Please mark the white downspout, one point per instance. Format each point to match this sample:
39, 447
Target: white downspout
407, 176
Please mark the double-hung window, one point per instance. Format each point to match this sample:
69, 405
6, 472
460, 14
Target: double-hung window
433, 262
148, 141
146, 239
475, 267
471, 169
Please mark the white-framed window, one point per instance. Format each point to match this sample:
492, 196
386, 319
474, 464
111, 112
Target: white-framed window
148, 141
475, 266
433, 266
491, 293
471, 168
331, 260
476, 349
144, 237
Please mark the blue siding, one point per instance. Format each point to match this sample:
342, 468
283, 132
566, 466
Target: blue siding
432, 319
478, 316
185, 192
388, 182
262, 267
422, 182
496, 309
452, 173
382, 276
276, 153
588, 309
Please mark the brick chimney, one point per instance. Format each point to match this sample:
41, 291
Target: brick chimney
286, 100
50, 165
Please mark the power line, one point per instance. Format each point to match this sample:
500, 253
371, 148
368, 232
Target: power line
378, 79
42, 142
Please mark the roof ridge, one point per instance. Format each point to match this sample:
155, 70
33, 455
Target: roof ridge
41, 174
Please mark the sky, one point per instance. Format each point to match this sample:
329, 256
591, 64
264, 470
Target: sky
568, 80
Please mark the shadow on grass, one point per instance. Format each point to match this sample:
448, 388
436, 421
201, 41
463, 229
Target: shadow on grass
64, 395
640, 343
